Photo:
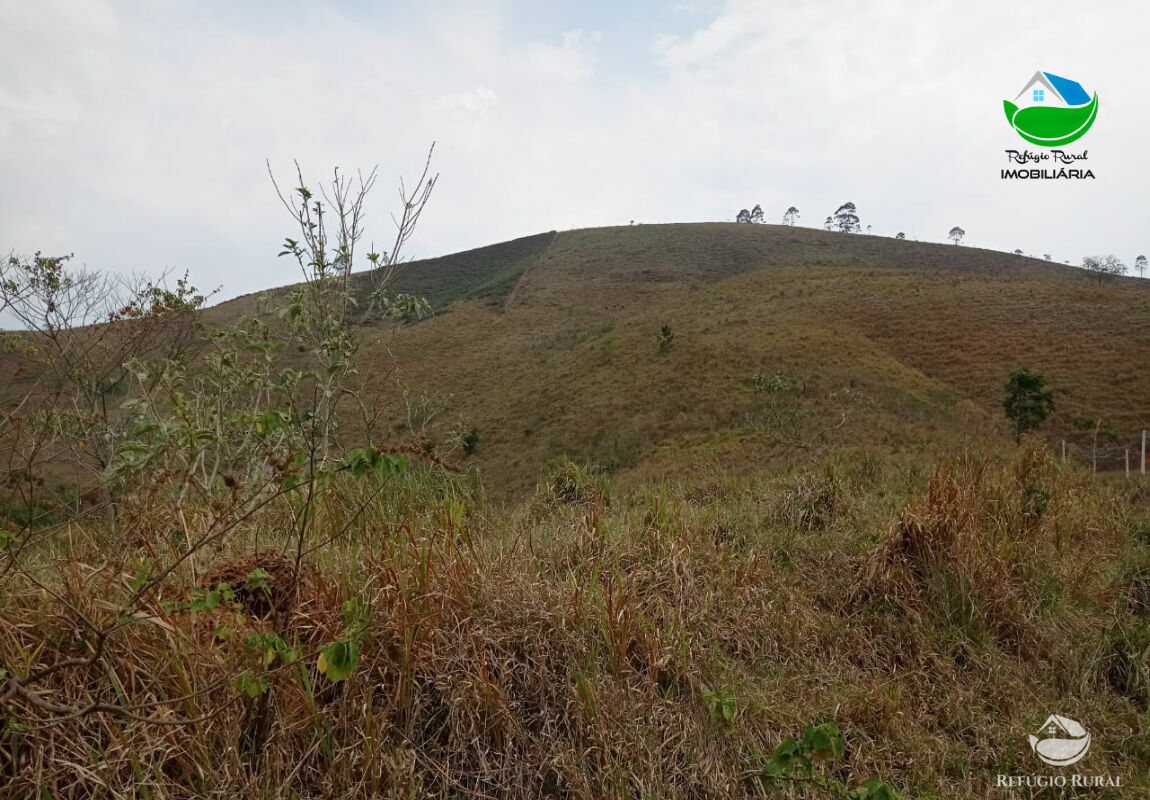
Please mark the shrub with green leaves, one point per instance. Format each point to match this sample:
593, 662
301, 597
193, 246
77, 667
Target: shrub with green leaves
1029, 400
805, 761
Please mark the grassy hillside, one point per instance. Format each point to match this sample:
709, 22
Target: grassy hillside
486, 274
919, 337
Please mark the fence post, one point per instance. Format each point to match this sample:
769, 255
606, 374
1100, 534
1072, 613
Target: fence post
1127, 452
1064, 451
1143, 470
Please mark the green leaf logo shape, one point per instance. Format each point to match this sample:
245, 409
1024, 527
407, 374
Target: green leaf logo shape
1059, 111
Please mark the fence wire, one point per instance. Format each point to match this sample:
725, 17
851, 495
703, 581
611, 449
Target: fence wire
1108, 457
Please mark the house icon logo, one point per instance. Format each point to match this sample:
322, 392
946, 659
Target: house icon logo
1051, 111
1061, 741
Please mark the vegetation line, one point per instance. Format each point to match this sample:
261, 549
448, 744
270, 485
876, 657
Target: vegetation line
514, 291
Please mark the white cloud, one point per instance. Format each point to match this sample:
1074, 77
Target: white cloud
571, 59
477, 102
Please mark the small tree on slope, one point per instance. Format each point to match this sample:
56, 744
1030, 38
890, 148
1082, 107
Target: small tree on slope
1029, 401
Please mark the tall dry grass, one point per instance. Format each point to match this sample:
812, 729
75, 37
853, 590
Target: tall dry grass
595, 641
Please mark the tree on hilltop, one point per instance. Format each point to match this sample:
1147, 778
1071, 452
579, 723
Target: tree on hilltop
900, 235
791, 216
1104, 267
956, 233
754, 215
846, 218
1140, 265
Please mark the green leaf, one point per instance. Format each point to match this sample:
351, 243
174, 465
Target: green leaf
337, 661
269, 422
250, 685
364, 459
874, 789
205, 601
360, 460
787, 760
392, 464
258, 579
823, 741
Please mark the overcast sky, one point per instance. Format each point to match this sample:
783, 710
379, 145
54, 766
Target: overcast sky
135, 134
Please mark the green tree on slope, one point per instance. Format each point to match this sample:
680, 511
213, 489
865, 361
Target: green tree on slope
1029, 400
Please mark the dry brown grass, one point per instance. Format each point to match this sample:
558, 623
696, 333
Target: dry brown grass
573, 647
972, 552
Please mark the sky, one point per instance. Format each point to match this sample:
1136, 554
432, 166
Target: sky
138, 135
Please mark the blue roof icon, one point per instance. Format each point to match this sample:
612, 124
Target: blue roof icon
1071, 91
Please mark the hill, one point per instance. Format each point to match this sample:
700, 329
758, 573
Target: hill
548, 345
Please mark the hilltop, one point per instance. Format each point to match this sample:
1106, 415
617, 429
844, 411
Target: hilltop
548, 345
